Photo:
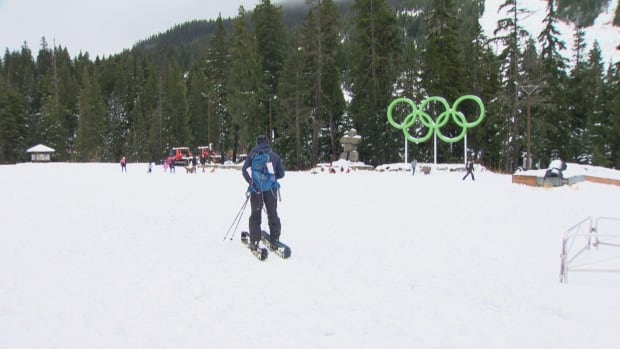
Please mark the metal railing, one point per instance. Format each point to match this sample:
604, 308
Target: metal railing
583, 237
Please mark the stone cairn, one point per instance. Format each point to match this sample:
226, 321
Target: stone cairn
349, 142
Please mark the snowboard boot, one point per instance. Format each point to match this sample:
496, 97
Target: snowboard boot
253, 245
273, 242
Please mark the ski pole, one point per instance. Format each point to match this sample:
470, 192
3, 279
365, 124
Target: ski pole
237, 219
239, 216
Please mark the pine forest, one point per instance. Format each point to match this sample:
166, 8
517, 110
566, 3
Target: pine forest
306, 74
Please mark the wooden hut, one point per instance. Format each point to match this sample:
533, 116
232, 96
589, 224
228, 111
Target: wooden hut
40, 153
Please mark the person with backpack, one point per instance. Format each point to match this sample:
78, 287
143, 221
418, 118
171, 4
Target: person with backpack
261, 170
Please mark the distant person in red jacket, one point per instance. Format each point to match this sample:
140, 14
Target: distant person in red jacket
123, 164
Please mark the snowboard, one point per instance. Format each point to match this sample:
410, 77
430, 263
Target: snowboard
261, 253
277, 247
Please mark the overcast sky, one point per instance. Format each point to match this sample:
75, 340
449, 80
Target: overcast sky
101, 27
105, 27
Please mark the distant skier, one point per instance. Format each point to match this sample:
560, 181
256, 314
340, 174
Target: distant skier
123, 164
414, 164
470, 170
171, 164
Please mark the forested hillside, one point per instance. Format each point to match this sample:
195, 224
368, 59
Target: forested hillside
306, 74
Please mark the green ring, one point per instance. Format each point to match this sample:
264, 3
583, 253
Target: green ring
434, 127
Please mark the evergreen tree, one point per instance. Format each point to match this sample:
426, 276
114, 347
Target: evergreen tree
577, 93
133, 104
47, 97
245, 88
295, 93
57, 91
530, 101
154, 118
581, 12
67, 90
174, 108
553, 69
321, 42
198, 103
271, 43
91, 121
44, 75
116, 80
373, 62
612, 105
12, 122
598, 123
409, 83
488, 139
442, 63
218, 67
20, 76
146, 112
481, 78
443, 70
580, 45
333, 62
509, 33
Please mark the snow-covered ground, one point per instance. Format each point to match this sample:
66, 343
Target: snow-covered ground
573, 169
93, 258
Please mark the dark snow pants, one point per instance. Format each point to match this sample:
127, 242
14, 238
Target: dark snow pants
470, 172
269, 199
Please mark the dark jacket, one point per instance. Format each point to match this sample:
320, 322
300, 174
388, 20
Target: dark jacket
276, 161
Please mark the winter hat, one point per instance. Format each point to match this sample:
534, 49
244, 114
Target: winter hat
262, 139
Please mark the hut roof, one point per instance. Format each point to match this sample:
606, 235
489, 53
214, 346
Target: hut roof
40, 148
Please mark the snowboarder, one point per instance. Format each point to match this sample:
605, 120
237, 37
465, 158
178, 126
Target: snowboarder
261, 170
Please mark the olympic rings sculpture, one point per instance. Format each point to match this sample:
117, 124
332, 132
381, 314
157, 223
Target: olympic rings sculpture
434, 127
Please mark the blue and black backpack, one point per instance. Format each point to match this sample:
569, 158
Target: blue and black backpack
263, 178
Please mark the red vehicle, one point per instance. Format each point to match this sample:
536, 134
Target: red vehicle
181, 156
210, 154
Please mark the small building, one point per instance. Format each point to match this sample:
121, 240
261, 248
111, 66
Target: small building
40, 153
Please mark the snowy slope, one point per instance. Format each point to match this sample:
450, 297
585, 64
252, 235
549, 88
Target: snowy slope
92, 258
603, 31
